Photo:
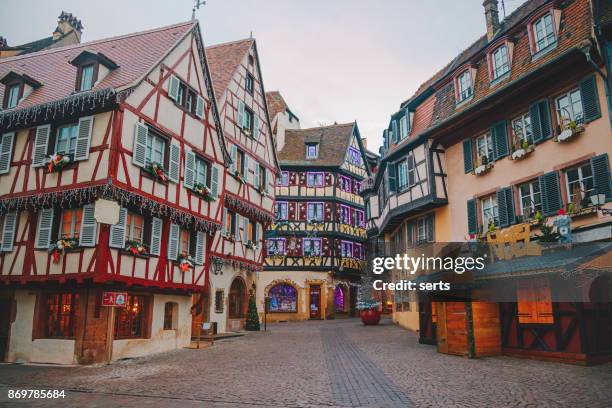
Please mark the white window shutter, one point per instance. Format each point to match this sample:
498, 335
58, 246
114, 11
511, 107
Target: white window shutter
173, 242
189, 176
269, 183
156, 234
83, 141
245, 229
240, 114
43, 233
257, 175
89, 227
175, 160
237, 228
214, 181
200, 107
224, 223
234, 154
140, 144
6, 152
117, 232
41, 141
255, 127
8, 233
246, 168
200, 248
256, 233
173, 87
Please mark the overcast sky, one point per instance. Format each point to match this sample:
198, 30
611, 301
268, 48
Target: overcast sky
333, 60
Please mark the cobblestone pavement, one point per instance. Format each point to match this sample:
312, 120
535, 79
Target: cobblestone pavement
316, 364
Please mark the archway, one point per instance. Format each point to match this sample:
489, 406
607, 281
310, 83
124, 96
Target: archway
237, 299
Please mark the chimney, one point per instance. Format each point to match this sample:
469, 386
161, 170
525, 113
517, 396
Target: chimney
66, 23
492, 17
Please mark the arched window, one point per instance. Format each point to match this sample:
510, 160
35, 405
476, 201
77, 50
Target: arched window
283, 298
237, 299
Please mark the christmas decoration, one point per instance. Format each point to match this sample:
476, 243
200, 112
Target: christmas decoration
185, 263
252, 322
57, 248
251, 245
157, 171
56, 162
203, 191
136, 248
234, 203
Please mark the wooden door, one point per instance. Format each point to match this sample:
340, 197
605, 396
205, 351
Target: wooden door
315, 301
5, 325
452, 328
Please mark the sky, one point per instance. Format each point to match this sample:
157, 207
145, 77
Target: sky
332, 60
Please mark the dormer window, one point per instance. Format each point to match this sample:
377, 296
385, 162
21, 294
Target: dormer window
16, 88
87, 77
13, 94
312, 150
464, 86
92, 67
544, 34
501, 62
543, 31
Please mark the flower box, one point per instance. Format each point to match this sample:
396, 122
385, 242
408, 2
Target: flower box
483, 169
522, 153
185, 263
137, 248
570, 132
251, 245
157, 171
203, 191
60, 246
56, 162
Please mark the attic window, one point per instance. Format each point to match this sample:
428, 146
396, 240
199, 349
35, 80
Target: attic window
87, 77
543, 31
92, 68
16, 88
312, 150
12, 96
249, 83
251, 59
464, 86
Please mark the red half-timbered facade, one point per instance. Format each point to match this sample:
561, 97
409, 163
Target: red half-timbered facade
112, 180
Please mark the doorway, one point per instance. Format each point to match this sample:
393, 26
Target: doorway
6, 308
315, 301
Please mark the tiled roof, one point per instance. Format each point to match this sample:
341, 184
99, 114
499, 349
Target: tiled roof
223, 59
333, 144
276, 103
135, 54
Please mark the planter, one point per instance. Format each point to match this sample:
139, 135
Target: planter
483, 169
569, 133
370, 317
522, 153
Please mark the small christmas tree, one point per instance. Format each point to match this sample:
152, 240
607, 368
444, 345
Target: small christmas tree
252, 322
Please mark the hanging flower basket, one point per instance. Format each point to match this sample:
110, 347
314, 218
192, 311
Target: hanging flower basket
57, 162
203, 191
185, 263
59, 247
157, 171
136, 248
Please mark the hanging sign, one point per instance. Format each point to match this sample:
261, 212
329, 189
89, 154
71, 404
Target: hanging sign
106, 211
114, 299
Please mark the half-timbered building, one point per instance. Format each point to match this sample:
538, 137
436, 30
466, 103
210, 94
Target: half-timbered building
315, 249
111, 180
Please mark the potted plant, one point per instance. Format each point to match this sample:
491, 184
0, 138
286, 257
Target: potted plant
369, 312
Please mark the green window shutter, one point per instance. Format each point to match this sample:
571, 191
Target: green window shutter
139, 152
234, 155
468, 164
472, 217
601, 175
590, 99
499, 132
43, 230
551, 193
540, 121
41, 142
174, 162
200, 107
173, 242
391, 176
386, 139
505, 203
173, 87
241, 114
200, 248
431, 227
256, 127
410, 233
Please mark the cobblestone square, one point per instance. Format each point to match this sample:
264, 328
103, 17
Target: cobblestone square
316, 364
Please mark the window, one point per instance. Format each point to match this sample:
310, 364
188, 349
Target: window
531, 198
354, 156
230, 223
311, 246
358, 251
569, 108
71, 223
276, 246
87, 78
579, 183
184, 236
283, 298
13, 96
315, 179
501, 61
249, 83
522, 129
134, 227
240, 162
262, 183
345, 183
170, 316
312, 150
314, 211
65, 142
130, 320
237, 299
484, 148
346, 249
201, 172
406, 172
345, 214
252, 228
283, 180
490, 211
248, 120
403, 127
421, 230
543, 31
359, 219
219, 300
156, 146
61, 311
411, 171
465, 85
281, 210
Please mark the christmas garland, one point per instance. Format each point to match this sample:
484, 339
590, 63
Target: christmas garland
235, 204
237, 264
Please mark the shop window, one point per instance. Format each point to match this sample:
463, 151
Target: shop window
131, 320
283, 298
171, 316
534, 301
237, 299
60, 313
219, 300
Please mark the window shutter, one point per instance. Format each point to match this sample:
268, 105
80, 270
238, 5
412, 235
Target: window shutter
472, 217
174, 162
590, 99
45, 223
224, 223
140, 144
601, 175
41, 141
214, 181
199, 252
431, 228
199, 107
6, 152
156, 234
257, 175
117, 231
500, 139
468, 164
8, 233
234, 154
395, 132
268, 180
551, 193
173, 242
410, 233
391, 176
245, 229
189, 176
173, 87
83, 140
540, 121
255, 127
240, 114
89, 227
237, 227
505, 203
256, 233
246, 168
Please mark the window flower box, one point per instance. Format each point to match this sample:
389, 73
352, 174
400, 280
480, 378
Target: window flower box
483, 169
157, 171
569, 131
523, 152
185, 262
247, 131
136, 248
56, 162
60, 246
203, 191
251, 245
